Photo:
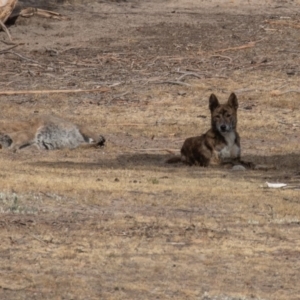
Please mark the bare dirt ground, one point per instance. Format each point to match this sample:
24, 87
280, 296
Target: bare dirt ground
117, 222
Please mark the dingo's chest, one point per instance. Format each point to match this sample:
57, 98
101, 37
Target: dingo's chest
230, 149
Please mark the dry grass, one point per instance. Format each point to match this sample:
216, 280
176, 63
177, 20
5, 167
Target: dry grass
118, 223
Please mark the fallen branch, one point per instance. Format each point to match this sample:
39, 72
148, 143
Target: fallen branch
30, 92
245, 46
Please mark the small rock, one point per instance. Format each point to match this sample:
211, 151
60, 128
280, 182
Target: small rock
290, 72
259, 60
238, 168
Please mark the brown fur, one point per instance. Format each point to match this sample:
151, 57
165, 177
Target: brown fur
220, 144
46, 132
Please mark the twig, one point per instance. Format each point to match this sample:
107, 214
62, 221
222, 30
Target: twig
273, 92
172, 82
256, 66
196, 70
248, 45
222, 56
206, 74
250, 90
171, 151
126, 124
188, 74
9, 43
245, 90
25, 58
279, 93
30, 92
4, 28
293, 24
5, 287
9, 48
115, 84
282, 86
120, 95
38, 239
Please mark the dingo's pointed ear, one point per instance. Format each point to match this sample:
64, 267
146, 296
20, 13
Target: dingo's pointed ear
213, 102
233, 101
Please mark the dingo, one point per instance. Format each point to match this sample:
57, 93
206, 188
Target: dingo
221, 143
46, 132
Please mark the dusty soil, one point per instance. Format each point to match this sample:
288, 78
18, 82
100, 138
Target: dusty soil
117, 222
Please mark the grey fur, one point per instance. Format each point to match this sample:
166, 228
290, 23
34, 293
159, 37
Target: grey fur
47, 133
52, 137
5, 141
